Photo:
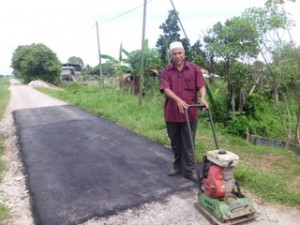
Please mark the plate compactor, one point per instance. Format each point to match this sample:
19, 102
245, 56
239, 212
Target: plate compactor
220, 199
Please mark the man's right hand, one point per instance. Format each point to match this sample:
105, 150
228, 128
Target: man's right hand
181, 105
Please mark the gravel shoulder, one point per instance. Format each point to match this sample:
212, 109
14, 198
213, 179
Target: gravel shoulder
176, 209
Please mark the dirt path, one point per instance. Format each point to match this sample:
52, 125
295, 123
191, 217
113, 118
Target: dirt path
176, 209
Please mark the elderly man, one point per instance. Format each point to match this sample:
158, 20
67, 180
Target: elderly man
181, 82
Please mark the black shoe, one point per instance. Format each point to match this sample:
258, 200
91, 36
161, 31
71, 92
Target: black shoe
193, 178
174, 172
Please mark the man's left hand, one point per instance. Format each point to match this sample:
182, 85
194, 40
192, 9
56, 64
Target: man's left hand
204, 103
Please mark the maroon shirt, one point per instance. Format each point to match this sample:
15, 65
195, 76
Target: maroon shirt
185, 84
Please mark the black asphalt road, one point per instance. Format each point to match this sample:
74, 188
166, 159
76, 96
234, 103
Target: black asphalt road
79, 166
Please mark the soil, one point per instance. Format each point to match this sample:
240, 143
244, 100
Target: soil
177, 209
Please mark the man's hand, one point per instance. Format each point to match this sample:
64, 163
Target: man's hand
204, 103
202, 93
181, 105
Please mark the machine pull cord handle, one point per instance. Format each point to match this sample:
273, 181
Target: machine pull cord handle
210, 120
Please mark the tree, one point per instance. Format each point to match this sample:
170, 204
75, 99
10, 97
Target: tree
209, 39
76, 60
240, 82
152, 64
237, 39
116, 67
286, 62
271, 22
198, 56
260, 86
36, 61
171, 31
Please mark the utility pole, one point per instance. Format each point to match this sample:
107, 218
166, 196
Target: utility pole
99, 55
141, 84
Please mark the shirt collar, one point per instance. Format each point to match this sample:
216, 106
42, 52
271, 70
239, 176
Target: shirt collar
172, 67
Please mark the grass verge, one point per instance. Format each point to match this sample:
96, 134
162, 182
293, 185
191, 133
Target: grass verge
4, 98
272, 174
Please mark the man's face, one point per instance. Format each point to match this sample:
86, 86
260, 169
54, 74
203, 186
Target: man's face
177, 56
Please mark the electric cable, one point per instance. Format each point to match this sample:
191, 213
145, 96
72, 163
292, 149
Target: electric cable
80, 38
122, 14
103, 22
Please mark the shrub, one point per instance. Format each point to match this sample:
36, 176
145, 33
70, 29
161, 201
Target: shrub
239, 126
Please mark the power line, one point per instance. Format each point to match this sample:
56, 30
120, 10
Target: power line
122, 14
81, 37
78, 14
105, 21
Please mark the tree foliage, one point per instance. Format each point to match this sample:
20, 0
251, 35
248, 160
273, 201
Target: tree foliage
272, 23
171, 31
152, 65
76, 60
235, 39
197, 55
36, 61
236, 44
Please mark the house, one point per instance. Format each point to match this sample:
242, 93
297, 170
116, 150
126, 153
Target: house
70, 72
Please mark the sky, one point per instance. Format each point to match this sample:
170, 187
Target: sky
68, 27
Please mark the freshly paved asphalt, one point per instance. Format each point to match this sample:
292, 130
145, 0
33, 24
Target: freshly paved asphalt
79, 166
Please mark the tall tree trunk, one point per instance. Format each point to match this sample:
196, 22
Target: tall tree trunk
288, 125
233, 102
242, 99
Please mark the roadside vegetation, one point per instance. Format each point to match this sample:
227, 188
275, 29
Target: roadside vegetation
272, 174
4, 98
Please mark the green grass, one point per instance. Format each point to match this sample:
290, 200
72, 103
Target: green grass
272, 174
4, 95
4, 98
271, 187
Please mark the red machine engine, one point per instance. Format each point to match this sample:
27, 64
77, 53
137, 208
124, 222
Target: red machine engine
218, 175
214, 184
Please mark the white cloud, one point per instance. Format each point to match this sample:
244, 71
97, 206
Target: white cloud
68, 26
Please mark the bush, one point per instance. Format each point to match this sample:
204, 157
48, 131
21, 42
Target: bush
254, 104
239, 126
218, 103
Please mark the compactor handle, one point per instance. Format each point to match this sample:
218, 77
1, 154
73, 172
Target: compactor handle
210, 120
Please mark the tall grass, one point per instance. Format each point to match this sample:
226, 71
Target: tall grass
4, 98
269, 173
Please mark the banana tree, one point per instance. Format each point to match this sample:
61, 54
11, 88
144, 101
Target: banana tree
117, 66
152, 64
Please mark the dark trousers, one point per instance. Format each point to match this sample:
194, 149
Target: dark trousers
181, 146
